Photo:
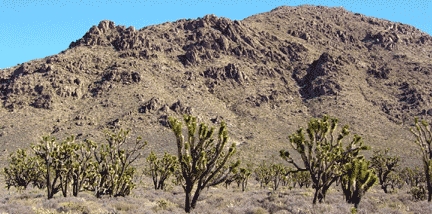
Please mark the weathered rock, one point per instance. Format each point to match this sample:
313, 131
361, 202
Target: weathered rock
320, 78
179, 108
43, 101
382, 72
152, 105
230, 71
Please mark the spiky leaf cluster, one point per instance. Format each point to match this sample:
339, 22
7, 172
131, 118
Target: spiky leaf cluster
359, 178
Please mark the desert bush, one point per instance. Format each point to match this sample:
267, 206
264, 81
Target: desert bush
163, 204
203, 159
323, 154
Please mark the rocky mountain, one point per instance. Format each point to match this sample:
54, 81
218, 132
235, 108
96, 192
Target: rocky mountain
266, 76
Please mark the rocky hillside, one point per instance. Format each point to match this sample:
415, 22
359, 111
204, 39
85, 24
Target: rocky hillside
265, 75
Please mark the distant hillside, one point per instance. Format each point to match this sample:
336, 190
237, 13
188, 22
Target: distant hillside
265, 75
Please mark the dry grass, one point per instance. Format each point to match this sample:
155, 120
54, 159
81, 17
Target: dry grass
144, 199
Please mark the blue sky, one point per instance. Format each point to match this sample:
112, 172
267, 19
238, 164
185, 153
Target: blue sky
32, 29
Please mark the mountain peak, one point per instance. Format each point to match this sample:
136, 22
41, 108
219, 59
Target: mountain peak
265, 75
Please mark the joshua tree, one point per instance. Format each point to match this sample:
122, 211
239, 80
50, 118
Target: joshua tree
423, 135
58, 165
302, 178
241, 176
323, 154
112, 171
56, 158
278, 174
203, 159
357, 180
83, 165
161, 169
413, 176
22, 170
384, 165
263, 174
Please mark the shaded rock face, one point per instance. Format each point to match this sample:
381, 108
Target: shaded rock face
321, 78
230, 71
387, 40
152, 105
43, 101
180, 108
293, 50
382, 72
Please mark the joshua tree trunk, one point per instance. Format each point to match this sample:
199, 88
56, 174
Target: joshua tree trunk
428, 180
188, 200
195, 197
